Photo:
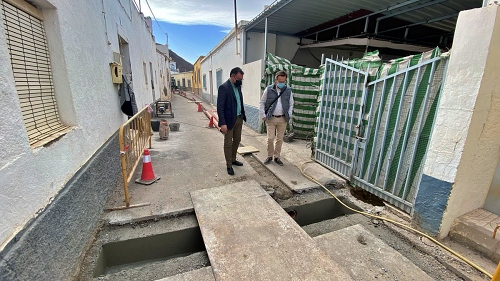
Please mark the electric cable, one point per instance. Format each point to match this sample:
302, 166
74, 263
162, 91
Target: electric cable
394, 222
158, 23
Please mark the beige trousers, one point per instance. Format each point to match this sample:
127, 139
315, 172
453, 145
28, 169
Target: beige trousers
276, 127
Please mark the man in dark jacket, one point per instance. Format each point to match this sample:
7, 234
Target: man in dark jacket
231, 114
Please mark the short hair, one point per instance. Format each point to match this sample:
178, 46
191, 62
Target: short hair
280, 73
235, 71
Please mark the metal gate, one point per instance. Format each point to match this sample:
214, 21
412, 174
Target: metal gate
374, 131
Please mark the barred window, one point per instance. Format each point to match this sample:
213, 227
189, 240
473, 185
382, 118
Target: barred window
204, 81
218, 77
29, 55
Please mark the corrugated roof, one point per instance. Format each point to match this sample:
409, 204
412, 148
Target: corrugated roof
297, 17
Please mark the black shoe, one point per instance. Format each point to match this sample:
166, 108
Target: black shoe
237, 163
268, 160
230, 171
278, 161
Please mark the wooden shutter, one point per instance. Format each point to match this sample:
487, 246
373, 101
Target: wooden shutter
30, 61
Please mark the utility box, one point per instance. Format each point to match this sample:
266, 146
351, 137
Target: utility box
116, 73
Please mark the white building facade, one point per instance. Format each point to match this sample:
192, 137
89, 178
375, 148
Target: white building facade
62, 177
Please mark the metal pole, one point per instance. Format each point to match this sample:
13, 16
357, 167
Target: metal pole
265, 50
236, 26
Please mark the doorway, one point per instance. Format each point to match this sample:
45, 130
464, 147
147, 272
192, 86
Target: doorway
211, 87
125, 59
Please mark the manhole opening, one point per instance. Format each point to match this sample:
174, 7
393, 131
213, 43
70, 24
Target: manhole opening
319, 211
116, 256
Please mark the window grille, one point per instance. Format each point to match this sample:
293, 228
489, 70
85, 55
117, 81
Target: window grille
218, 77
29, 54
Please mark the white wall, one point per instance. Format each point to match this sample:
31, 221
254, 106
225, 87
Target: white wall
251, 83
255, 45
163, 76
222, 57
87, 99
286, 46
465, 146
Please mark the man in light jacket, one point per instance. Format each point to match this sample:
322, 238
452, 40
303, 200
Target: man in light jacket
276, 107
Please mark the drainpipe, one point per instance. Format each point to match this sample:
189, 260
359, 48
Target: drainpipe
265, 50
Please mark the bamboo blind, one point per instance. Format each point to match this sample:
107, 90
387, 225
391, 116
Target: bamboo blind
30, 61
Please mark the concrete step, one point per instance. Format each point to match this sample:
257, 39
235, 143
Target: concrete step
475, 230
366, 257
248, 236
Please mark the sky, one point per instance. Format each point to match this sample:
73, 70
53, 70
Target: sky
194, 27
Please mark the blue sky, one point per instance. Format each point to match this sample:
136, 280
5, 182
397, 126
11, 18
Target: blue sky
189, 41
194, 27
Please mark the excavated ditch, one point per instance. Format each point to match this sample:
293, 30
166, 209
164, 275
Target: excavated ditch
155, 249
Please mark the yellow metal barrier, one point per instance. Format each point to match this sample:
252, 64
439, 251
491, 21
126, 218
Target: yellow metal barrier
496, 276
134, 136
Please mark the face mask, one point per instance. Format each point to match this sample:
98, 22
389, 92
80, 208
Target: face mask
281, 85
238, 83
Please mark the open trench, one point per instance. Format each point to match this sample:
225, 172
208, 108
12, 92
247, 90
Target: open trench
136, 251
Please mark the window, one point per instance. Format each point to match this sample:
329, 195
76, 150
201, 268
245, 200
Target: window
218, 77
145, 73
184, 82
29, 56
204, 81
189, 83
198, 80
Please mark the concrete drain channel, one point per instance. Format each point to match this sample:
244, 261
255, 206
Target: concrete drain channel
114, 259
117, 256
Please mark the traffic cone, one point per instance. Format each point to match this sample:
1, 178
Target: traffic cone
211, 123
200, 109
148, 175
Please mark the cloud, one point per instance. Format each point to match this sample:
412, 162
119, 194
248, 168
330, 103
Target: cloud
203, 12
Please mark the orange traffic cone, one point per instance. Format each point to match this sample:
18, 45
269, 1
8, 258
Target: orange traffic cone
148, 175
211, 123
200, 109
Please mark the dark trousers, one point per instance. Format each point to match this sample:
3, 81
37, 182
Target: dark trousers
231, 142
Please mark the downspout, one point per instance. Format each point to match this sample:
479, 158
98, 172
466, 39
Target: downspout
265, 50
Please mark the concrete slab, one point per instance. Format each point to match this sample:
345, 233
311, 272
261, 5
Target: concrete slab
194, 150
294, 155
247, 149
248, 236
204, 274
366, 257
475, 229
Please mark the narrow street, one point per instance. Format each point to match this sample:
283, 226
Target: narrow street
136, 240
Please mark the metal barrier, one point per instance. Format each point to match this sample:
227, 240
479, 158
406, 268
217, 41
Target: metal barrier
376, 133
496, 276
134, 135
